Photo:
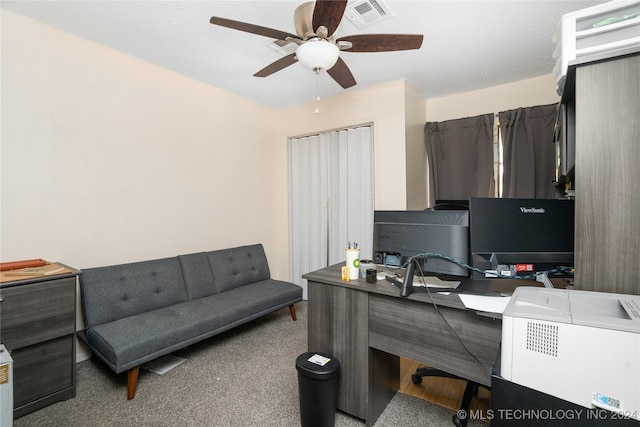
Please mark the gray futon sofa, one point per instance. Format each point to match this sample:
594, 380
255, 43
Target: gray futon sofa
140, 311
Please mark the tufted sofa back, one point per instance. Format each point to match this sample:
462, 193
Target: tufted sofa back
238, 266
118, 291
197, 275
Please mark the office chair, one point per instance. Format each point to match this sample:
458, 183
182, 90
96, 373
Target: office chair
470, 391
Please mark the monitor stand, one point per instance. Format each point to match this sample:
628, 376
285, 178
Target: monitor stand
544, 279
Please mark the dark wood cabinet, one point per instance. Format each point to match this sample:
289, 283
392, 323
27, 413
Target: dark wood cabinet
37, 326
607, 172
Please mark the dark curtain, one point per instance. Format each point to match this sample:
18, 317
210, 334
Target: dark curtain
529, 152
460, 156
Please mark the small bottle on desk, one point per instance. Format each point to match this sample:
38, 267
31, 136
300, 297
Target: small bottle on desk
345, 273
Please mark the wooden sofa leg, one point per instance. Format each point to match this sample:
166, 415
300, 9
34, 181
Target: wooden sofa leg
292, 309
132, 381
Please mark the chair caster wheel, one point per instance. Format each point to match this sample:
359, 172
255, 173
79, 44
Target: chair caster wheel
416, 379
459, 422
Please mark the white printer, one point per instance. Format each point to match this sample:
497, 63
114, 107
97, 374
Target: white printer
580, 346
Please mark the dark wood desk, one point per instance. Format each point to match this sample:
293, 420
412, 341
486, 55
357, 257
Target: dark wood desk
367, 327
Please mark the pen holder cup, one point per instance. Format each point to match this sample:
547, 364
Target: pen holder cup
353, 262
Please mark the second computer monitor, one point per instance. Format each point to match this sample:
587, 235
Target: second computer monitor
399, 235
521, 235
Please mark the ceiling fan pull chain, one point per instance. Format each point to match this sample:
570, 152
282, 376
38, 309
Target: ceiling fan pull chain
318, 92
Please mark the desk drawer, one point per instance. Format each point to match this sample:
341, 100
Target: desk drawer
416, 331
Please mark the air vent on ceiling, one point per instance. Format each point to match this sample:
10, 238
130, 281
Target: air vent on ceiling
364, 13
283, 47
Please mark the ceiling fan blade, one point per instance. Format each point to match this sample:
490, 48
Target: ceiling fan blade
251, 28
278, 65
328, 13
341, 74
382, 42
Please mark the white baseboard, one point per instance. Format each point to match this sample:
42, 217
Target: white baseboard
82, 352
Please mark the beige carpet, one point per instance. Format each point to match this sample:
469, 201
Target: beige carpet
245, 377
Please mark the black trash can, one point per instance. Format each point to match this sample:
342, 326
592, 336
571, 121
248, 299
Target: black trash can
318, 379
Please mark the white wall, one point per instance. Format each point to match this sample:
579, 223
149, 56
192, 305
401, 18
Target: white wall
109, 159
524, 93
416, 156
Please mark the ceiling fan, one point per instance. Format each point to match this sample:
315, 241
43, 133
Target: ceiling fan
318, 50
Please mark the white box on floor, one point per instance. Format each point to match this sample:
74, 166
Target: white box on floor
580, 346
6, 388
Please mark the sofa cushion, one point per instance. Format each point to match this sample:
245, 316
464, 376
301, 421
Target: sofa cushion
119, 291
256, 299
131, 341
238, 266
197, 275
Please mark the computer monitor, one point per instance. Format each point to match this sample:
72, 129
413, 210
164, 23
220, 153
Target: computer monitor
442, 204
521, 236
400, 235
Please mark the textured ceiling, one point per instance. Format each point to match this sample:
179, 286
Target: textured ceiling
467, 45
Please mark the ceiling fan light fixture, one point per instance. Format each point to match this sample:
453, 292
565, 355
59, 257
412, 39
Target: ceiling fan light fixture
317, 54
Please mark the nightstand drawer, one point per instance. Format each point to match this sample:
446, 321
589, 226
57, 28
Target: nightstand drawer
42, 369
37, 312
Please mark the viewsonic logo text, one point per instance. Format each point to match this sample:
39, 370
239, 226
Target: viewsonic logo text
531, 210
